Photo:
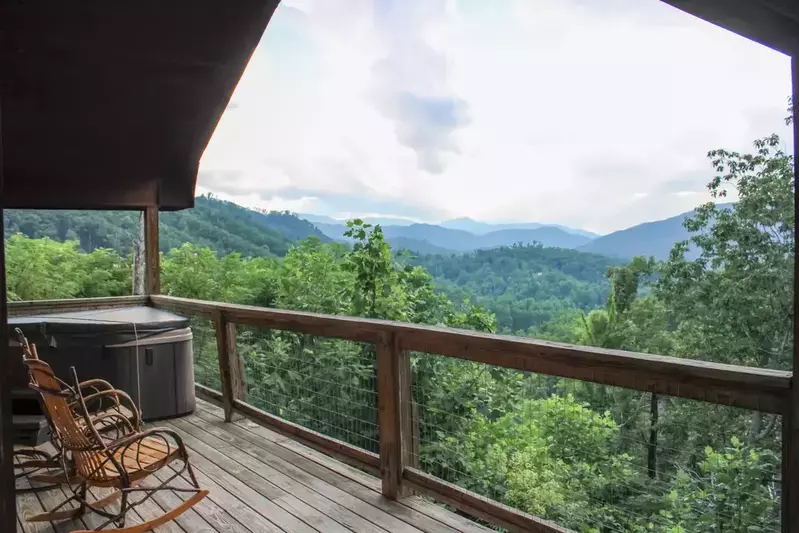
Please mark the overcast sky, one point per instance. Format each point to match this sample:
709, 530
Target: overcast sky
596, 114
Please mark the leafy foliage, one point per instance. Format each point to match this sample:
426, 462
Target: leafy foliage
524, 285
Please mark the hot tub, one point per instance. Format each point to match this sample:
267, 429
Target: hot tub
137, 349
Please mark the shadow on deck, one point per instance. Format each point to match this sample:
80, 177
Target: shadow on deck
261, 481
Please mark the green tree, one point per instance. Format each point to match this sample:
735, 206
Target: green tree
732, 492
733, 302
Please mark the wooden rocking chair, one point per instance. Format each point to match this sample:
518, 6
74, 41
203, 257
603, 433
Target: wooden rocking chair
112, 412
121, 464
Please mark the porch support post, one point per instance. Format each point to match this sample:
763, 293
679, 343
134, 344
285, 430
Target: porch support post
152, 269
8, 503
790, 418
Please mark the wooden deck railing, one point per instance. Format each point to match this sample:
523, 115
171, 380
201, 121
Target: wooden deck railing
751, 388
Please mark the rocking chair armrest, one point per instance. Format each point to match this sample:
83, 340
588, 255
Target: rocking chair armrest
116, 424
97, 385
160, 432
116, 395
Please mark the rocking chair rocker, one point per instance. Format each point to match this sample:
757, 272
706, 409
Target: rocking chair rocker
121, 464
112, 412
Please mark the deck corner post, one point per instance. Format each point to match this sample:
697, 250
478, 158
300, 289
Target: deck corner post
231, 368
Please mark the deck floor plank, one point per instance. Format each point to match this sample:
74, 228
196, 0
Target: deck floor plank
319, 471
262, 481
250, 456
219, 452
205, 517
230, 480
373, 507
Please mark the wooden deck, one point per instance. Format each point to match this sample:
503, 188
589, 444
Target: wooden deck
261, 482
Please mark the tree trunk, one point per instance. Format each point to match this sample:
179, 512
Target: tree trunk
138, 259
652, 451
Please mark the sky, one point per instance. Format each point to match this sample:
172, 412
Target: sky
595, 114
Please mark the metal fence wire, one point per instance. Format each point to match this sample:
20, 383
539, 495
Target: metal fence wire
589, 457
595, 458
206, 355
326, 385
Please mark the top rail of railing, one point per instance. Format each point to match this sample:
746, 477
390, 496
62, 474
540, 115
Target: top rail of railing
739, 386
746, 387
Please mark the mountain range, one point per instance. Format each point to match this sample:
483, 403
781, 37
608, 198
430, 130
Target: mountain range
227, 227
432, 238
481, 228
466, 235
467, 224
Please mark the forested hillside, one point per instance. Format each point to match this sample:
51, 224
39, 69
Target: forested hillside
524, 285
219, 225
592, 458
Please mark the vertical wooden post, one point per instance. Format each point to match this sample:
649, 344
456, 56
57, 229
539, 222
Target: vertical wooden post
397, 428
409, 417
790, 418
231, 368
152, 269
388, 415
8, 502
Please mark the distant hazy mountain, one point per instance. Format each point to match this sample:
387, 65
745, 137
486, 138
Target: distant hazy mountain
547, 235
465, 235
481, 228
430, 238
475, 227
383, 221
649, 239
418, 247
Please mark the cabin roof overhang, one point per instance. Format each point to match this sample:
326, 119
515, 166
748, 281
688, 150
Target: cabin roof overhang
773, 23
110, 105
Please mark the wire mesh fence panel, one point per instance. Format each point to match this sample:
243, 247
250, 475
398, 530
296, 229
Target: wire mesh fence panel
206, 355
326, 385
595, 458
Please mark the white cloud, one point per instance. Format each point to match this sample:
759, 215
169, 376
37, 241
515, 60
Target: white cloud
596, 115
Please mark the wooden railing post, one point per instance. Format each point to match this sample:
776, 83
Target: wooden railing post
388, 415
409, 417
231, 368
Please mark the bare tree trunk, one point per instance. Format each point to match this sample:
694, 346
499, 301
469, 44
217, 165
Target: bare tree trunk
652, 451
138, 259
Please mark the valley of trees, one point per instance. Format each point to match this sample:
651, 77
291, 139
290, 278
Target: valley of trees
592, 458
